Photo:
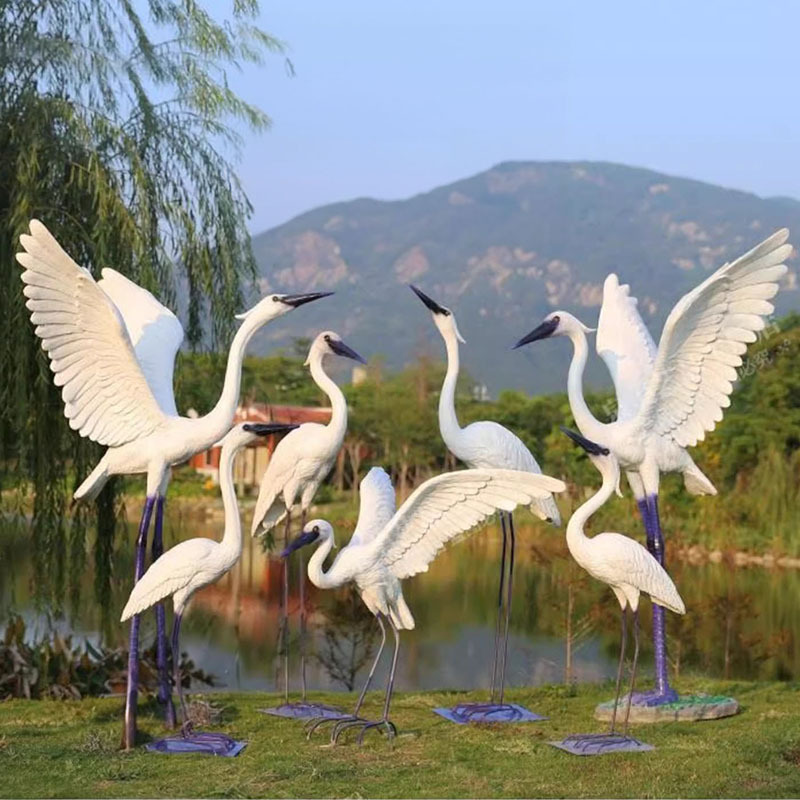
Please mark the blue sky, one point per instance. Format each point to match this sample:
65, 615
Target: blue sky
393, 98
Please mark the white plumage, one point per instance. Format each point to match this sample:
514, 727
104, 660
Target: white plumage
386, 552
303, 459
670, 397
437, 512
95, 335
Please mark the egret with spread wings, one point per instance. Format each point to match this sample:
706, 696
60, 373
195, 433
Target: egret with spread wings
389, 547
669, 397
112, 349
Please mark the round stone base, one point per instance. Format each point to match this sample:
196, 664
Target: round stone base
688, 707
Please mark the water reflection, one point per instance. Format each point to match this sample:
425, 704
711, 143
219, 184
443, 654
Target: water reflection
741, 622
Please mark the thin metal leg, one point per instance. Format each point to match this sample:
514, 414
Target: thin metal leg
500, 599
633, 669
302, 593
186, 725
164, 695
512, 547
390, 685
619, 667
284, 626
132, 689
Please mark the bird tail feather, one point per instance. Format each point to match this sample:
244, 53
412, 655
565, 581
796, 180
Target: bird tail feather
546, 510
93, 484
696, 482
401, 615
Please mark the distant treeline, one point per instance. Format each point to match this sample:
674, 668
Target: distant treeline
753, 456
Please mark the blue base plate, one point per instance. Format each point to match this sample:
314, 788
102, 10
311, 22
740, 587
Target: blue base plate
465, 713
209, 744
305, 711
601, 745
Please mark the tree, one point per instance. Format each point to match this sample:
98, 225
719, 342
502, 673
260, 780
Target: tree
122, 145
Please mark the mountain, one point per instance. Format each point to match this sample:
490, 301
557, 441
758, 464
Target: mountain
502, 249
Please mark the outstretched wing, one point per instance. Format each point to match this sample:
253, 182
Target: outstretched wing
155, 332
703, 341
106, 396
376, 507
626, 346
449, 505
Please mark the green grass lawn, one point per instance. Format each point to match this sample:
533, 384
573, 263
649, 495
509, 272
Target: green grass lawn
69, 749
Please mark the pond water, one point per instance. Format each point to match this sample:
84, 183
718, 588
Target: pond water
741, 622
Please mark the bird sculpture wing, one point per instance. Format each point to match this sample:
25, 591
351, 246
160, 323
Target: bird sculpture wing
106, 396
703, 341
173, 571
626, 346
155, 332
377, 505
449, 505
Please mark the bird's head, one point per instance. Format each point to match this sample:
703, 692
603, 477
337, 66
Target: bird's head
605, 461
276, 305
246, 432
559, 323
329, 343
316, 530
443, 317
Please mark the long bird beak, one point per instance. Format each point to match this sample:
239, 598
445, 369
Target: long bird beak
429, 302
589, 446
539, 332
268, 428
306, 537
341, 349
296, 300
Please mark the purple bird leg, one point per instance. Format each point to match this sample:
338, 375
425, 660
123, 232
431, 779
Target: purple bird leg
164, 694
129, 726
663, 692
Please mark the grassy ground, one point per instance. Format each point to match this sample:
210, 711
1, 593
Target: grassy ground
69, 749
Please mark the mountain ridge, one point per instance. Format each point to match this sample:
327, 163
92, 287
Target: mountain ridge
503, 248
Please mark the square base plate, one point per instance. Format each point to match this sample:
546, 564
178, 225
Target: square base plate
602, 745
488, 712
305, 711
209, 744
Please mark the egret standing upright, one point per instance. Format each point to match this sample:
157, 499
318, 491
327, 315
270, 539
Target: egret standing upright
667, 399
298, 466
386, 552
117, 390
629, 569
486, 445
188, 567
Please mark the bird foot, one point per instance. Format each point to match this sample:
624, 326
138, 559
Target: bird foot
385, 725
187, 729
318, 722
652, 697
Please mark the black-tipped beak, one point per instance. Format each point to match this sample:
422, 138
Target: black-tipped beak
429, 302
341, 349
539, 332
268, 428
589, 446
296, 300
306, 537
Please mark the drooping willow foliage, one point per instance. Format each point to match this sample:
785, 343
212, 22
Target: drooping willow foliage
117, 130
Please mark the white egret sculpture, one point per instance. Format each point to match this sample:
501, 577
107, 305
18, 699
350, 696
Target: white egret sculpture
668, 398
630, 570
383, 553
112, 349
298, 466
191, 565
486, 445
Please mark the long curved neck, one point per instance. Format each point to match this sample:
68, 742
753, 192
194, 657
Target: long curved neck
337, 427
576, 539
319, 578
448, 422
219, 419
589, 426
232, 537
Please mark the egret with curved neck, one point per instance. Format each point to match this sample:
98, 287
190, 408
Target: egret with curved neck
297, 468
195, 563
112, 349
486, 445
669, 397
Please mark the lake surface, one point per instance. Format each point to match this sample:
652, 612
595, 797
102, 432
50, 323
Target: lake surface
741, 622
